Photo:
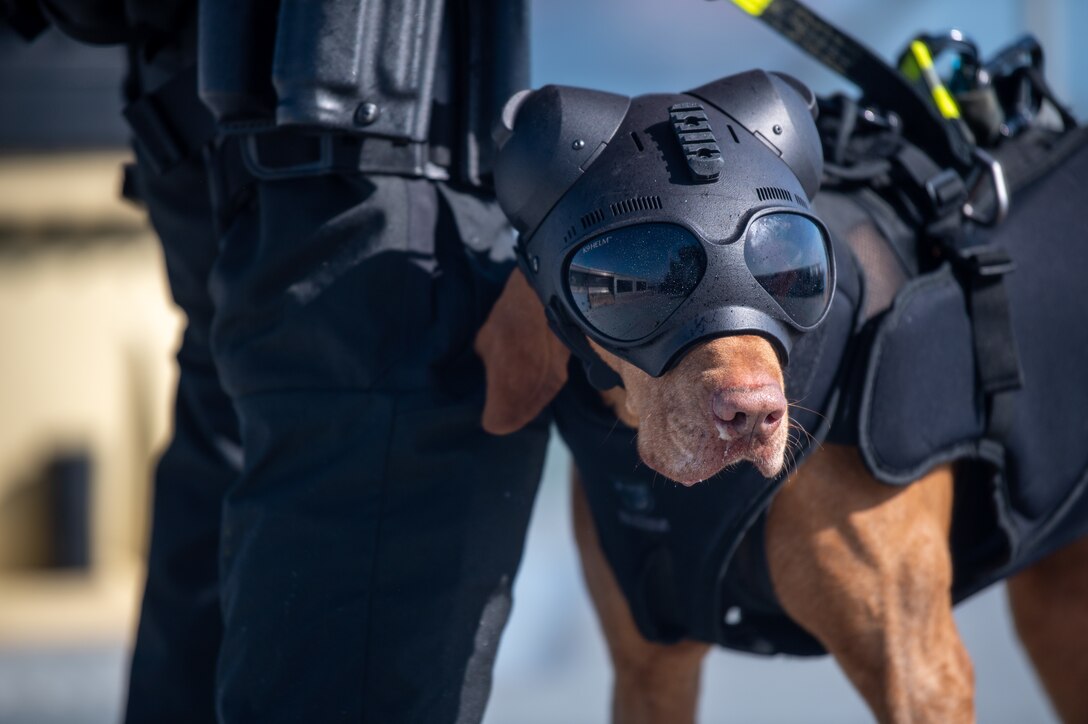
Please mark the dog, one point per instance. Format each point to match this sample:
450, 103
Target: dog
865, 567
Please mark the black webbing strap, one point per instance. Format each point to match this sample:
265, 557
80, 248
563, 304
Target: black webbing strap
599, 374
880, 83
997, 359
170, 123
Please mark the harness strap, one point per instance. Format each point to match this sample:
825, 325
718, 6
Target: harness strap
997, 359
599, 374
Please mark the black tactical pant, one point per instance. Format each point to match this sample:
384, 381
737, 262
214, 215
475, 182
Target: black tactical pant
334, 536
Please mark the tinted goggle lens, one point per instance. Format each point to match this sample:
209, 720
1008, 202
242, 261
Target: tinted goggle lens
788, 256
627, 282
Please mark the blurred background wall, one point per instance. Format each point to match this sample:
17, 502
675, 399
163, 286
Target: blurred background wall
86, 376
87, 334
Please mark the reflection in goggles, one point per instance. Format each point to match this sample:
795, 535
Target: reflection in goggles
787, 254
655, 265
627, 282
602, 288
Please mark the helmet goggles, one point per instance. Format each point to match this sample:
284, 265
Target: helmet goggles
646, 248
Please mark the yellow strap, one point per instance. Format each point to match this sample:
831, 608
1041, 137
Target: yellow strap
945, 103
941, 97
753, 7
921, 54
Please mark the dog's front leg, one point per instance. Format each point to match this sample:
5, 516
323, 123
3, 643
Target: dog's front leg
654, 683
865, 567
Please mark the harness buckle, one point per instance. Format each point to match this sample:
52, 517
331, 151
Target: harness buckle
946, 192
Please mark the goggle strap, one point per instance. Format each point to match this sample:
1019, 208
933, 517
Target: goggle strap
599, 374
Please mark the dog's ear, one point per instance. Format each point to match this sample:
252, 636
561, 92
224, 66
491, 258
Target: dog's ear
526, 363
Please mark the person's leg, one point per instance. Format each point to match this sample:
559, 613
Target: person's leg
173, 664
369, 547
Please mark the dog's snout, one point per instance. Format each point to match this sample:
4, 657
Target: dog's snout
748, 412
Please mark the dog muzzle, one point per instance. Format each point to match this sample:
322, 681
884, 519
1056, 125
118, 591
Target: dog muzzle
653, 223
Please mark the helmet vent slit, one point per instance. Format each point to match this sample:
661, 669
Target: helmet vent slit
732, 133
638, 142
638, 203
801, 201
593, 217
766, 193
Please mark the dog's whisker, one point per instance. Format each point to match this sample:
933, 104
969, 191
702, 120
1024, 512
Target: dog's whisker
795, 426
811, 438
796, 406
791, 459
793, 443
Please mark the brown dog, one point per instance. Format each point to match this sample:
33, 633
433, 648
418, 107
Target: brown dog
864, 567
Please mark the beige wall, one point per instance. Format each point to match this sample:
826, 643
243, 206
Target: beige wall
87, 335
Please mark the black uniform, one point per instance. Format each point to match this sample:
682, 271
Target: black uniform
334, 536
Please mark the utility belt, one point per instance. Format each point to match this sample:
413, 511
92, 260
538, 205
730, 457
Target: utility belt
344, 86
171, 124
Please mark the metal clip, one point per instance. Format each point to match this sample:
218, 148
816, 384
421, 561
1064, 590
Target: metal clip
992, 169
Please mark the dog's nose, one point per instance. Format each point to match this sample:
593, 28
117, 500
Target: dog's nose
748, 412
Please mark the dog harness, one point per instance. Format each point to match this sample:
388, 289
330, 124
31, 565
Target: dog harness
894, 369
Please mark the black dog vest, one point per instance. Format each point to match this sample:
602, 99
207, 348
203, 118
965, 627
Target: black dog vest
894, 369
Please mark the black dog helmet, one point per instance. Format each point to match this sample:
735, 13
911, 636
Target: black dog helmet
652, 223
